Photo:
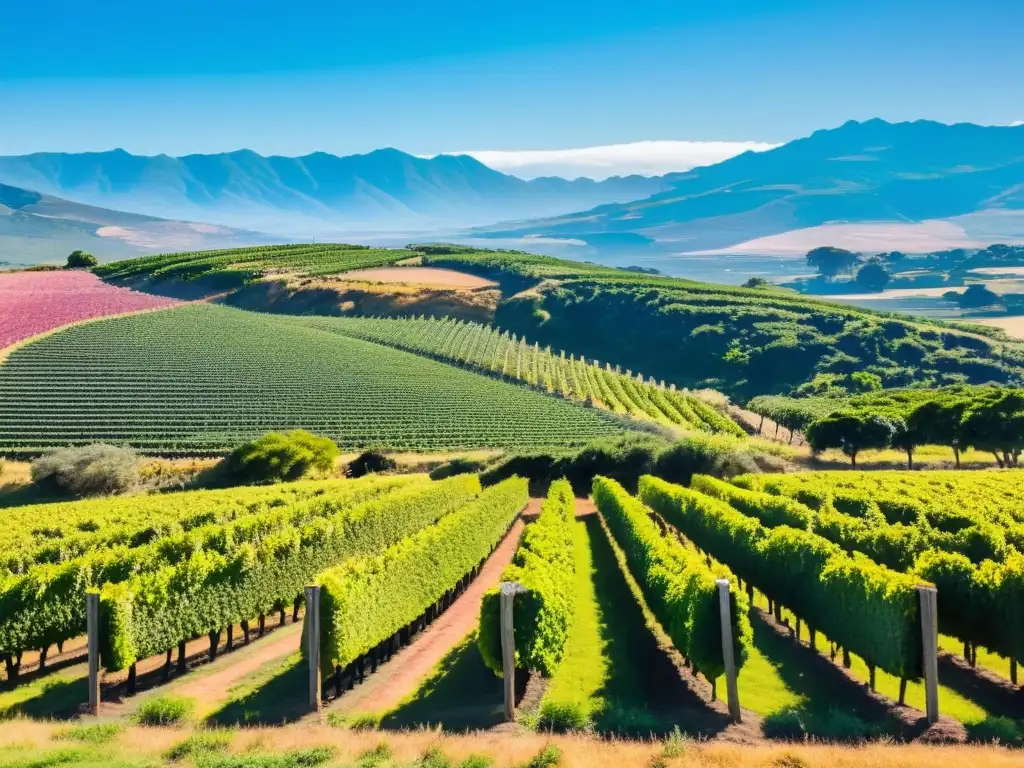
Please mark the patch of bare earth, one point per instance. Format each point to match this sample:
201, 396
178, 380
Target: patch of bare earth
434, 277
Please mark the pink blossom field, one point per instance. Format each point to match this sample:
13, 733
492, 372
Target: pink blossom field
35, 302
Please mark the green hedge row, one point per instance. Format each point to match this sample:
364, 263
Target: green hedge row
545, 565
209, 590
368, 599
975, 601
47, 603
869, 610
770, 510
676, 581
981, 605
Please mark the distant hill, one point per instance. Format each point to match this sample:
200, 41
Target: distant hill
385, 189
969, 179
37, 228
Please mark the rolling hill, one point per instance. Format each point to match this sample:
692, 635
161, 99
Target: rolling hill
36, 228
868, 173
384, 189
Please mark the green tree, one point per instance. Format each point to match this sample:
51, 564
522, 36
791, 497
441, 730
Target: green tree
997, 425
831, 262
873, 276
756, 282
850, 433
975, 297
81, 260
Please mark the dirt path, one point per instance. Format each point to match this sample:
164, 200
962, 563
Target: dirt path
399, 678
211, 687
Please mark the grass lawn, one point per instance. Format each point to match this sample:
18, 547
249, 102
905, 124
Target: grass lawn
56, 695
274, 695
461, 693
613, 672
969, 710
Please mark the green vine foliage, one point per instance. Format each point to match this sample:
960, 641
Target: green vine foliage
545, 565
677, 583
866, 608
209, 590
369, 598
958, 530
46, 603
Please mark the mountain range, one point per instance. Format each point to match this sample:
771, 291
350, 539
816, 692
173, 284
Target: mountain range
382, 190
873, 185
910, 181
36, 228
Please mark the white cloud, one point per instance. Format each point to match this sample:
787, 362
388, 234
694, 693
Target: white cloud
647, 158
1015, 123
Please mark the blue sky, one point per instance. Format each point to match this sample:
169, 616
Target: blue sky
451, 75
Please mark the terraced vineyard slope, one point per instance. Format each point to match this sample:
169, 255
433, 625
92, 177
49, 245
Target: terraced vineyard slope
502, 354
202, 379
236, 266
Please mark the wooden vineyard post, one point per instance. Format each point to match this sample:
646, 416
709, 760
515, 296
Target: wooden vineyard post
92, 625
311, 636
727, 649
506, 596
930, 647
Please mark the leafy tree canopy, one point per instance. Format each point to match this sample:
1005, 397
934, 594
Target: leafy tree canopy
81, 260
831, 262
873, 276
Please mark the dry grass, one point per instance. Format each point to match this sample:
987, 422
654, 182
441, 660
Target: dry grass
515, 748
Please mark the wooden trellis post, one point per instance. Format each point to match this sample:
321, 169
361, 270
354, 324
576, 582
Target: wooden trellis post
506, 596
311, 637
930, 648
92, 632
728, 658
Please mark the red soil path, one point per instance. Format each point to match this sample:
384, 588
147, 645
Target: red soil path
399, 678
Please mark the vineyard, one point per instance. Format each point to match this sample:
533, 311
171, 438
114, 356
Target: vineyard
236, 266
963, 533
487, 349
202, 379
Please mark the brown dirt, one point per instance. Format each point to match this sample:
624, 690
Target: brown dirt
149, 671
400, 677
430, 276
212, 687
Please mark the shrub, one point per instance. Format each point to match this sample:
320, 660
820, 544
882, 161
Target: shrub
676, 743
81, 260
165, 710
457, 466
200, 744
563, 718
88, 470
703, 455
784, 724
477, 761
997, 729
370, 462
548, 757
281, 456
378, 755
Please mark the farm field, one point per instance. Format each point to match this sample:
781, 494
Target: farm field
742, 341
201, 379
488, 350
32, 303
234, 267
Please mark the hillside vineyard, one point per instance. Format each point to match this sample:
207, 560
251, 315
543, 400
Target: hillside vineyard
202, 379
